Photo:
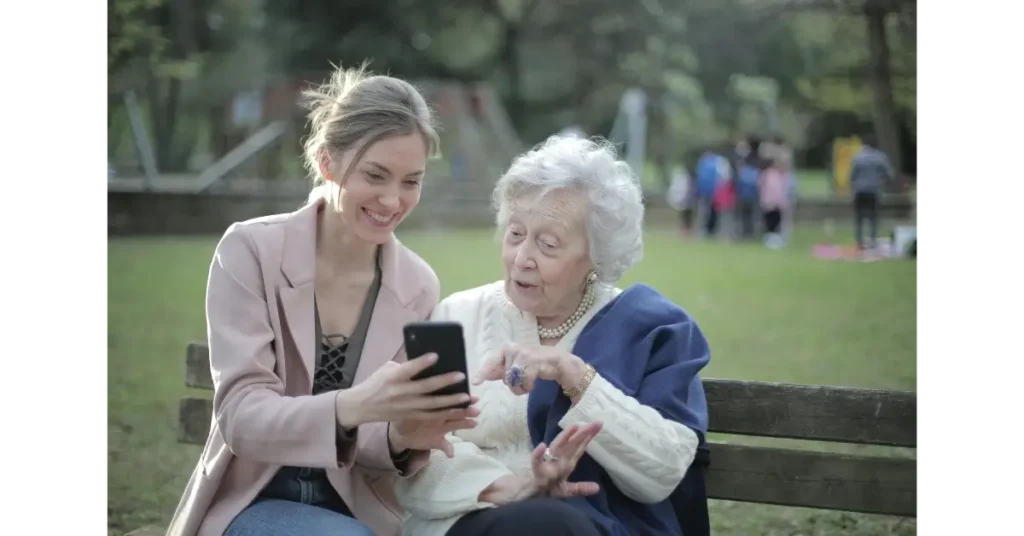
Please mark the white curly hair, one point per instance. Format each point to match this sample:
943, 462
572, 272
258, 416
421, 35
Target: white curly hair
615, 211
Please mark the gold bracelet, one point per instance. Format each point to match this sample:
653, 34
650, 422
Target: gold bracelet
588, 376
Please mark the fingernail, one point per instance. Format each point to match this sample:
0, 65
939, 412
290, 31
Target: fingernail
459, 376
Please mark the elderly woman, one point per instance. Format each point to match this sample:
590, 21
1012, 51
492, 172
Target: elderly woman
615, 409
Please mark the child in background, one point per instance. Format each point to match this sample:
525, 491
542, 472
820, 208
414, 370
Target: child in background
681, 198
780, 155
747, 197
773, 189
724, 199
706, 177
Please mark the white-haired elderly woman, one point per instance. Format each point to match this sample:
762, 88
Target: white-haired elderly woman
615, 409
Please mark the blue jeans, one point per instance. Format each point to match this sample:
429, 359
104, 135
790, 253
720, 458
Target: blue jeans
272, 517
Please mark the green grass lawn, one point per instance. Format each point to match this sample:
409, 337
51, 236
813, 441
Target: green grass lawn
814, 183
777, 316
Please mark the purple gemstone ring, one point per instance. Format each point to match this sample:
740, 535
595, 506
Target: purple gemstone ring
514, 376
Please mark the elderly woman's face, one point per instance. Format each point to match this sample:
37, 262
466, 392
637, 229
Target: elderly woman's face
546, 253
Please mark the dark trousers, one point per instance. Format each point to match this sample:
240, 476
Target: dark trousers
687, 218
532, 517
772, 219
711, 223
690, 499
746, 209
865, 207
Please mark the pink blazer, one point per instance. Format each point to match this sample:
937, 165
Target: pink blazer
259, 308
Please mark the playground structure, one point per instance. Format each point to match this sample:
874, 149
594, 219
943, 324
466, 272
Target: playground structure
478, 142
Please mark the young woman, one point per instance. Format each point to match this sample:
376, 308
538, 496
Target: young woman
315, 411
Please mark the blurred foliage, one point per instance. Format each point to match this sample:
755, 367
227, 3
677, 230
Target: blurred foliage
714, 69
133, 32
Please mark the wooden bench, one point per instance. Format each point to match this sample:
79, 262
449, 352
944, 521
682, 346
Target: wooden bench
757, 474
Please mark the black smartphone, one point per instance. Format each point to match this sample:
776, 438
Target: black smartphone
445, 340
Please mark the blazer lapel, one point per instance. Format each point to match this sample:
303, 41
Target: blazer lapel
297, 308
298, 263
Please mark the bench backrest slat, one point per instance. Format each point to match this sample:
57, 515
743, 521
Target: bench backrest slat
820, 413
195, 416
197, 366
868, 484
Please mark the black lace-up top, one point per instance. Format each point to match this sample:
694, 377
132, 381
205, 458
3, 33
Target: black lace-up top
336, 361
338, 355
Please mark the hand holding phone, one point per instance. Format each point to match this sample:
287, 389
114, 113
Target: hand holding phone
391, 395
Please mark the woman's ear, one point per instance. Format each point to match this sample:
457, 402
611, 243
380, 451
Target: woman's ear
325, 166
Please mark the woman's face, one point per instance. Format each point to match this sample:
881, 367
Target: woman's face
546, 253
382, 187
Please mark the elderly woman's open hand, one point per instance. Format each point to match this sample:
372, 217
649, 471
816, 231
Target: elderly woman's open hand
553, 464
520, 366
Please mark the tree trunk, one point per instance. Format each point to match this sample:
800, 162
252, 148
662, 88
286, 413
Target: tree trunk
883, 106
219, 142
510, 58
661, 146
163, 106
108, 12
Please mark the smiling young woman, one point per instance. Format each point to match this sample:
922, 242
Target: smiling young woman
316, 412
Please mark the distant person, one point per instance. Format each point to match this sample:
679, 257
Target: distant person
747, 195
680, 197
315, 411
767, 150
595, 408
724, 202
869, 171
740, 153
780, 155
706, 176
774, 198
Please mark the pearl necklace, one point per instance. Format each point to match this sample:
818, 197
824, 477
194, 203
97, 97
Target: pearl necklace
561, 330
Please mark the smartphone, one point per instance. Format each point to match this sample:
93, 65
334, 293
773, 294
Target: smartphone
445, 340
